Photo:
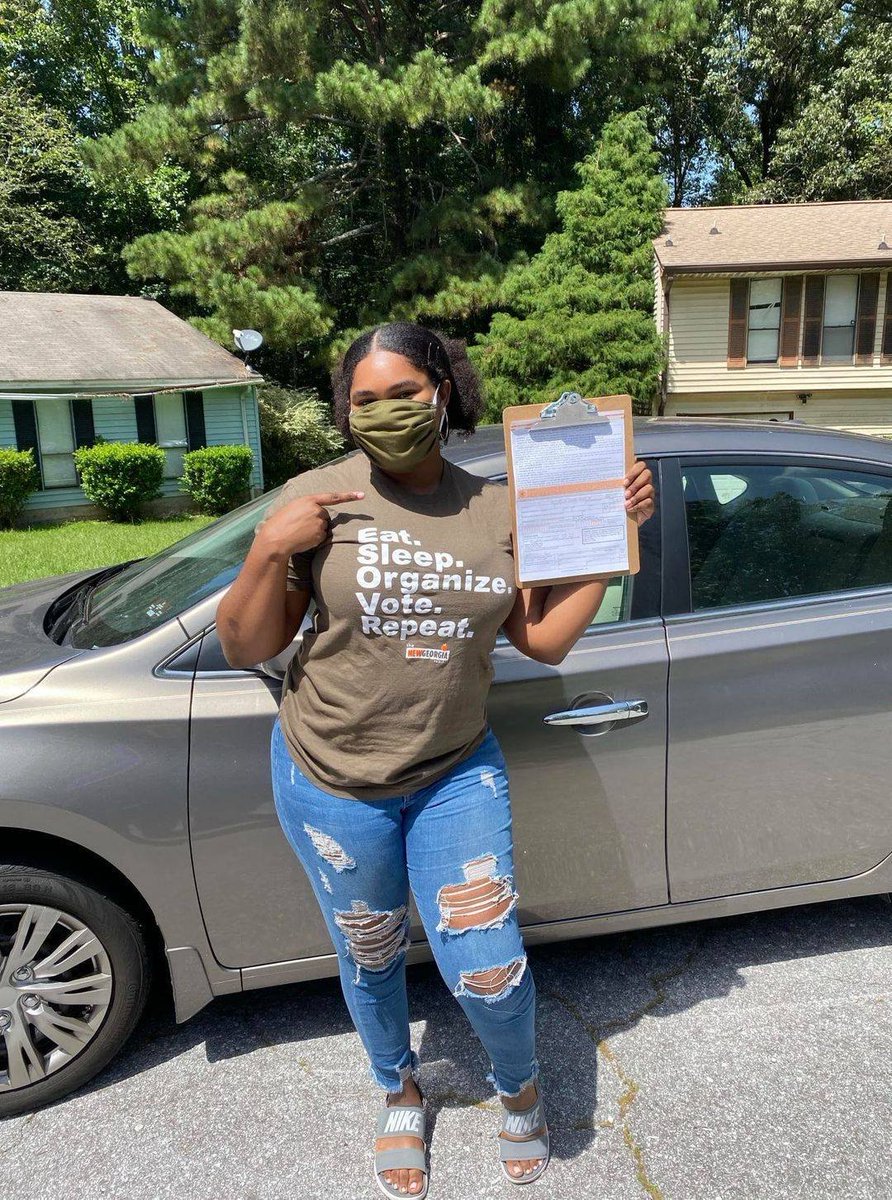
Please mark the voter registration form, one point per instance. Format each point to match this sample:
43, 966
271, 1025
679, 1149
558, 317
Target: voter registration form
568, 495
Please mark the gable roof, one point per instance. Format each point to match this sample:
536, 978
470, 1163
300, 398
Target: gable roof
758, 237
108, 341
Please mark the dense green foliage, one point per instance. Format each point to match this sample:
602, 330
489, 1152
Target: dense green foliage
19, 477
579, 316
217, 477
359, 162
72, 69
309, 168
120, 476
781, 100
295, 433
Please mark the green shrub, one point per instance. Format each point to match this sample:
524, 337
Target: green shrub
120, 476
217, 477
296, 433
19, 477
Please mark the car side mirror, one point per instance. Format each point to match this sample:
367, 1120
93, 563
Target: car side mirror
211, 657
276, 667
271, 667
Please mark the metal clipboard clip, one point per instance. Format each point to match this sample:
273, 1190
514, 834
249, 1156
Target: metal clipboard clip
568, 409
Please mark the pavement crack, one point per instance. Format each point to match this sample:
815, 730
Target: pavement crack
598, 1033
459, 1098
12, 1145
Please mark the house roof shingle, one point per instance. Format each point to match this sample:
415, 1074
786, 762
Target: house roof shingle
776, 236
107, 340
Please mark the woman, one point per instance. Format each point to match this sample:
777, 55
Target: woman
385, 772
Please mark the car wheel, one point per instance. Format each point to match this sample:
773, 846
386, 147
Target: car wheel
74, 976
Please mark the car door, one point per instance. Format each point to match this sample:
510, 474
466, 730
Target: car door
780, 671
257, 903
588, 801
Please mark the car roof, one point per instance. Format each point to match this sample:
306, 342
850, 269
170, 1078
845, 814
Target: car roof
698, 435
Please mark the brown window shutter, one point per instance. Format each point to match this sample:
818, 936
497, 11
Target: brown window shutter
791, 308
737, 313
812, 320
886, 347
866, 324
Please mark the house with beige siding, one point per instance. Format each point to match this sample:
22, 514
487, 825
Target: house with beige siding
778, 311
74, 368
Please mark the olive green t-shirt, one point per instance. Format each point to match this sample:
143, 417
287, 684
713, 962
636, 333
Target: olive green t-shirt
387, 692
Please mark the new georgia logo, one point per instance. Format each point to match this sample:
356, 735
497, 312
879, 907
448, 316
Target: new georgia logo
440, 655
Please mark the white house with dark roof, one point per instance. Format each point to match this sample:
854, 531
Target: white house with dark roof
778, 311
73, 367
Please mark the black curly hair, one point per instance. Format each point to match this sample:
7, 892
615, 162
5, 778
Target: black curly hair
429, 350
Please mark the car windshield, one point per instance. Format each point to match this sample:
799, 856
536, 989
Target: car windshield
150, 591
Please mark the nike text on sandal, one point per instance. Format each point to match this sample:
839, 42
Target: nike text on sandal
407, 1120
528, 1125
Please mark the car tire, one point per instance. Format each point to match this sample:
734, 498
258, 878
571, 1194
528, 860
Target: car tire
106, 941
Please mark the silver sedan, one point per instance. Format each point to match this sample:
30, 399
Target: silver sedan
714, 743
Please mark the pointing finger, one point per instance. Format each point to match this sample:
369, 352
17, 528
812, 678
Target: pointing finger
335, 497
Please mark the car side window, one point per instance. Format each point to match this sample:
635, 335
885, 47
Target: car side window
765, 531
726, 486
617, 601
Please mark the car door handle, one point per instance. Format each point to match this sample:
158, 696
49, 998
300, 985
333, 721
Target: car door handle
600, 714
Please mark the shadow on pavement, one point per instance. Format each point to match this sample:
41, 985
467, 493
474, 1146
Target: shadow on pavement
589, 991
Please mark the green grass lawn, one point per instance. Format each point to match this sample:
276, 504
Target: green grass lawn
57, 547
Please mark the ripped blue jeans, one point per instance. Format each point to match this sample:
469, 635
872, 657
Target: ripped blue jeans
451, 842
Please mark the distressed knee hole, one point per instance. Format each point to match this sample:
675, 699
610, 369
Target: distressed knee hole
374, 937
483, 901
329, 849
491, 983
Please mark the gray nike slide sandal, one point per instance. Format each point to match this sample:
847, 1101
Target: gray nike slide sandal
525, 1121
406, 1119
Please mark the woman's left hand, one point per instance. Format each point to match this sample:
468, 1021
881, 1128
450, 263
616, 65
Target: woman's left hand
639, 492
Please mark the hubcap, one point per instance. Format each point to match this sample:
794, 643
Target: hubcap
55, 991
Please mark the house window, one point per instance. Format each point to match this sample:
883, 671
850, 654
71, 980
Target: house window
175, 422
840, 311
763, 325
53, 428
170, 425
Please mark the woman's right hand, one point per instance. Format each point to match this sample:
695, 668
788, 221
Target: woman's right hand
301, 524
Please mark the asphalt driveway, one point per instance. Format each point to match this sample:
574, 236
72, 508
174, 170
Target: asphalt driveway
740, 1057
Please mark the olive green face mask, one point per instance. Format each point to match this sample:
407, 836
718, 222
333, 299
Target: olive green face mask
395, 434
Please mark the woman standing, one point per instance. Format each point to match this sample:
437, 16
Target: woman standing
385, 772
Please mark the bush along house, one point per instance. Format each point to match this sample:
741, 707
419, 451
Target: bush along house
74, 368
778, 311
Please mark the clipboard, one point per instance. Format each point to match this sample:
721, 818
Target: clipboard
562, 458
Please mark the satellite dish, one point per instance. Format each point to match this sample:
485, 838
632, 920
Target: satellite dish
247, 339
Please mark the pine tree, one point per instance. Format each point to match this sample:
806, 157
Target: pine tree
373, 158
579, 315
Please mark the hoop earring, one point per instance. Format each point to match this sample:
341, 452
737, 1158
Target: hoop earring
444, 437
